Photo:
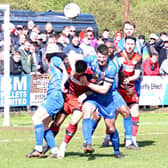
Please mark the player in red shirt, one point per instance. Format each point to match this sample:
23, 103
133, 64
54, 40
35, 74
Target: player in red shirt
71, 105
130, 72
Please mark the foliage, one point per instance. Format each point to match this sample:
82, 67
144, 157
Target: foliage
149, 15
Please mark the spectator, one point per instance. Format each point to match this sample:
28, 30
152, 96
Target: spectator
27, 58
30, 25
106, 35
42, 39
152, 41
81, 34
20, 42
15, 63
151, 65
117, 38
66, 32
19, 29
86, 46
162, 47
72, 32
15, 37
100, 40
164, 67
93, 40
111, 48
62, 41
144, 46
74, 46
129, 30
25, 30
49, 29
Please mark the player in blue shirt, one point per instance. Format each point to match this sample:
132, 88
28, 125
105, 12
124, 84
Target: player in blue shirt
51, 105
107, 99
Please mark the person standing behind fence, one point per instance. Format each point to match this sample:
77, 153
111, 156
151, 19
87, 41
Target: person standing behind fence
27, 58
162, 47
15, 63
86, 45
151, 65
73, 46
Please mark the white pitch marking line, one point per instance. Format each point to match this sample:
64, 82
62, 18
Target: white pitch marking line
94, 137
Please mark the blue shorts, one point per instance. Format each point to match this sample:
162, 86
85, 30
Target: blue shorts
107, 107
53, 102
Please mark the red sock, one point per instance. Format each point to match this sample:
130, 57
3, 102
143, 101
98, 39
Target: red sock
54, 129
107, 131
70, 131
135, 125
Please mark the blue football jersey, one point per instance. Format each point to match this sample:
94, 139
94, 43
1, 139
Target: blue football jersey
109, 75
55, 74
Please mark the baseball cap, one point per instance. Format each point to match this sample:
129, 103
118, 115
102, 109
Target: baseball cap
89, 29
153, 36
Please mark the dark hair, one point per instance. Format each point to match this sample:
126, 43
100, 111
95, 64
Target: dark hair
106, 30
80, 66
130, 23
141, 36
163, 33
130, 37
103, 49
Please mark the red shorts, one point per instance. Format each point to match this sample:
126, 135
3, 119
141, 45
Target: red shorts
133, 98
71, 103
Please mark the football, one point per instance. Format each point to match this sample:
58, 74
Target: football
71, 10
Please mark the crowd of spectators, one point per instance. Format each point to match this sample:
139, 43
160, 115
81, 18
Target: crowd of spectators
28, 47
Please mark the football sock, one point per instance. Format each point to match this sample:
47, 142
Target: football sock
38, 148
128, 128
107, 135
94, 125
135, 125
114, 137
54, 150
70, 131
54, 129
87, 130
39, 135
107, 131
49, 137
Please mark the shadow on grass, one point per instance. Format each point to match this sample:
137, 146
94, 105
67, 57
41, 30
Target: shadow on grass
90, 157
142, 143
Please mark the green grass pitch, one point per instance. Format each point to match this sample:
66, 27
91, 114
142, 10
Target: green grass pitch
18, 140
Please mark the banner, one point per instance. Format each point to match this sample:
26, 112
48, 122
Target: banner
19, 90
31, 90
39, 85
154, 90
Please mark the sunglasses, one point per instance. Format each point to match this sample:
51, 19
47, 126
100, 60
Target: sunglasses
72, 31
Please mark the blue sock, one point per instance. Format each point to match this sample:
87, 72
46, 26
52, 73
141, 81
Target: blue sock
39, 134
114, 137
49, 137
87, 130
128, 128
94, 125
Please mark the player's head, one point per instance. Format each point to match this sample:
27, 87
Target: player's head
129, 28
130, 43
102, 54
80, 66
